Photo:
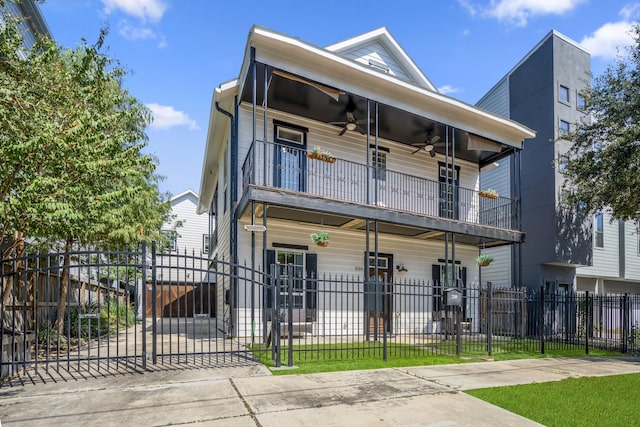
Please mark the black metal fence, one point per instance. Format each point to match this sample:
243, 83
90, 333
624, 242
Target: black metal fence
97, 310
338, 317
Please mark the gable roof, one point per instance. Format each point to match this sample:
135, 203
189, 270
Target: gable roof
379, 47
185, 195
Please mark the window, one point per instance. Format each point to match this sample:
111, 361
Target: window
563, 94
581, 104
291, 266
379, 164
205, 243
171, 239
563, 161
213, 221
597, 146
564, 128
598, 230
383, 262
290, 135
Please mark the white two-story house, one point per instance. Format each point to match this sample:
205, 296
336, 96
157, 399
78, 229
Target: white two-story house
398, 194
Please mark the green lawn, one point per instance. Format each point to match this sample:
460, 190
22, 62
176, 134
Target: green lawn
310, 359
593, 401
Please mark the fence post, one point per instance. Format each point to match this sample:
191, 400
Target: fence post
144, 304
385, 355
290, 279
625, 323
541, 320
275, 317
587, 329
154, 304
489, 319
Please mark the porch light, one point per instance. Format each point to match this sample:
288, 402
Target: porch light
401, 268
351, 126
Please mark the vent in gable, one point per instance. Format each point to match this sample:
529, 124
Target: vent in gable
380, 66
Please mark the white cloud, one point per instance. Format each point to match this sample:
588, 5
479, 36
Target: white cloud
131, 32
606, 41
447, 89
518, 12
143, 9
165, 117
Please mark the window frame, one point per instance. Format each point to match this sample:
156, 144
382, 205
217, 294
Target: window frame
598, 230
561, 128
581, 102
379, 163
564, 90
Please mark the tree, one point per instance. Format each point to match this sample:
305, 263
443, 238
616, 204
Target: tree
71, 141
603, 166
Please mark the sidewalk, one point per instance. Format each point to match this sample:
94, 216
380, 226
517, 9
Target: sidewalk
251, 396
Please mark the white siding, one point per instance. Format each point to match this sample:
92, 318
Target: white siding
193, 225
378, 53
605, 260
632, 258
345, 255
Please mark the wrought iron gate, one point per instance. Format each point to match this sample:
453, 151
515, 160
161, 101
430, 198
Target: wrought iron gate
96, 310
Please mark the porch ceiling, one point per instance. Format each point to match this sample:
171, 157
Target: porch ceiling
350, 216
295, 97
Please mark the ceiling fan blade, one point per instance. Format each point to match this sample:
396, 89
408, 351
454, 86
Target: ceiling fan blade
338, 123
361, 130
432, 153
435, 139
419, 144
344, 129
417, 150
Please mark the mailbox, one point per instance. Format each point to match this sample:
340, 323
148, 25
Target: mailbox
453, 297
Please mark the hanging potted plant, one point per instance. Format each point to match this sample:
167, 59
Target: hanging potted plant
320, 238
484, 260
319, 154
489, 193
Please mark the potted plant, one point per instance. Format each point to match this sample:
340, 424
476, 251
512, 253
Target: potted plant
489, 193
320, 238
484, 260
320, 154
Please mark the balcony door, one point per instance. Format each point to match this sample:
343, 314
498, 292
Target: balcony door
290, 157
449, 191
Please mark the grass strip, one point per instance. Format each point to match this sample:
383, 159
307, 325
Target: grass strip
591, 401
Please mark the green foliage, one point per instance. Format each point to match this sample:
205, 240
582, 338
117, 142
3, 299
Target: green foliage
595, 401
71, 141
48, 336
482, 259
602, 166
319, 237
109, 318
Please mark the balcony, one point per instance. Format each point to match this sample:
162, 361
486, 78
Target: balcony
288, 169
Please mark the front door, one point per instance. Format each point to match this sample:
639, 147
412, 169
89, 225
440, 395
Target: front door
290, 157
379, 295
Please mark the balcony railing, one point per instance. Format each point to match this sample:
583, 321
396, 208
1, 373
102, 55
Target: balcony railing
286, 167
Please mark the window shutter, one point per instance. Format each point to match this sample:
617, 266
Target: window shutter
269, 259
437, 287
311, 284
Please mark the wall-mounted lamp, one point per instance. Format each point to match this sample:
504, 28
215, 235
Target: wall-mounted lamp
401, 268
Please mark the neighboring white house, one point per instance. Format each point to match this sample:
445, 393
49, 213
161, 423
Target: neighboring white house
191, 230
399, 192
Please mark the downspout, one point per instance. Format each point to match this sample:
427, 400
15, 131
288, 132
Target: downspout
233, 228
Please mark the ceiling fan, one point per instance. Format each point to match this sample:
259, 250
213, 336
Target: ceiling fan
428, 144
351, 123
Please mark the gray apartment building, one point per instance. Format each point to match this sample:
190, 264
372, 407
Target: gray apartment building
564, 247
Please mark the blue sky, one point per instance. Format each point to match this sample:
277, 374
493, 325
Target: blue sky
177, 51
